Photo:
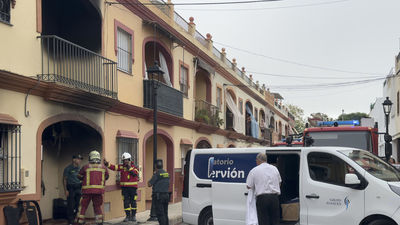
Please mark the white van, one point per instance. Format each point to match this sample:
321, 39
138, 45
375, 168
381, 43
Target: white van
332, 185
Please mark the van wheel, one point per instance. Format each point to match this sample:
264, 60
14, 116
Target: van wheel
381, 222
206, 217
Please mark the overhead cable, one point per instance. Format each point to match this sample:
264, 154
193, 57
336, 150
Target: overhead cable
195, 3
297, 63
269, 8
310, 77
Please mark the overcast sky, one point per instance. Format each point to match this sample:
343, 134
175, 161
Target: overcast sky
308, 38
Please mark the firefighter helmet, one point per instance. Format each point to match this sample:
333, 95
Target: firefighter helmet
126, 155
94, 156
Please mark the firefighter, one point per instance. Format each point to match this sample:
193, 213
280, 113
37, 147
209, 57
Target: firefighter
93, 176
129, 177
160, 183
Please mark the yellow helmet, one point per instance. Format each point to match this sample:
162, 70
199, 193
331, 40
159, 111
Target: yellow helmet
94, 156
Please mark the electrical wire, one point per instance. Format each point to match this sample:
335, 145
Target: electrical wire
194, 3
309, 77
269, 8
296, 63
323, 85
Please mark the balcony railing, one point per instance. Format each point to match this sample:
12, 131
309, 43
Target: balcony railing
72, 65
207, 113
169, 99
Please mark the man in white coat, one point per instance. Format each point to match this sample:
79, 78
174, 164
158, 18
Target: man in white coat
265, 180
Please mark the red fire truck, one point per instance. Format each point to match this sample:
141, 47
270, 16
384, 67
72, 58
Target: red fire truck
342, 133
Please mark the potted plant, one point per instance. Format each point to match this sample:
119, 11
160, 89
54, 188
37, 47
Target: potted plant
202, 116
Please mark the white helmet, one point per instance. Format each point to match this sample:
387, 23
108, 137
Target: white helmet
126, 155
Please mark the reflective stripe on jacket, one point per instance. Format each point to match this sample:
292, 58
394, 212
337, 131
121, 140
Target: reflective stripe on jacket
94, 178
129, 178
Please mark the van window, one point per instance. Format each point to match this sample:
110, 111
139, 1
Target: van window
373, 165
327, 168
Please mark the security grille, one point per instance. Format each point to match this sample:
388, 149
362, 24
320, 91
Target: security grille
5, 10
10, 158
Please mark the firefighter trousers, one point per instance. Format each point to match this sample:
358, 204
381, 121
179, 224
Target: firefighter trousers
97, 202
129, 196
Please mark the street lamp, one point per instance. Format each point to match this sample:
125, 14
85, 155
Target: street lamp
155, 73
387, 106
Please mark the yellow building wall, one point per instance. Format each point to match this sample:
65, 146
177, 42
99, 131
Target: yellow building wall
18, 42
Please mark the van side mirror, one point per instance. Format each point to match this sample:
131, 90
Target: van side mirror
351, 180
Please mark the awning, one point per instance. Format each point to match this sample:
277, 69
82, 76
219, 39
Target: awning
185, 141
204, 65
127, 134
7, 119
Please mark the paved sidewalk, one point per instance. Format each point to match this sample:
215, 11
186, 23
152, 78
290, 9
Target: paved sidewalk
174, 215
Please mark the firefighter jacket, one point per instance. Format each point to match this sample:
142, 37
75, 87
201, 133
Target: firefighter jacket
129, 177
93, 177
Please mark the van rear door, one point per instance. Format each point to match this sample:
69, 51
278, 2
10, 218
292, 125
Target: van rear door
229, 191
229, 203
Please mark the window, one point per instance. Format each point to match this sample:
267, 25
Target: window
256, 114
240, 105
10, 158
5, 10
219, 98
124, 50
183, 80
129, 145
327, 168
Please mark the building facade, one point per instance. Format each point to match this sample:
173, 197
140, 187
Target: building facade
73, 78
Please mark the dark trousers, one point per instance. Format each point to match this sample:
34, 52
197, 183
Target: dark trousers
161, 206
129, 196
268, 209
73, 201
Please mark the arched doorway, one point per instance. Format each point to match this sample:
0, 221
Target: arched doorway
60, 141
157, 51
249, 115
230, 103
203, 144
203, 86
165, 151
280, 130
263, 123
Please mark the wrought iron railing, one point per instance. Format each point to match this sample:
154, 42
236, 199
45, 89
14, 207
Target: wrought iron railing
69, 64
10, 158
207, 113
169, 99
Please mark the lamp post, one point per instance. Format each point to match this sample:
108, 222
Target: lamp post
154, 72
387, 106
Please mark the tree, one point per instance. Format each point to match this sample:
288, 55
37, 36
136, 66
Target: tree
353, 116
298, 114
315, 117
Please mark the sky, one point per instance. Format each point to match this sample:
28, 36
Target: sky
307, 50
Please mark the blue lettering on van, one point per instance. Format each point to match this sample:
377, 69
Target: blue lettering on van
224, 167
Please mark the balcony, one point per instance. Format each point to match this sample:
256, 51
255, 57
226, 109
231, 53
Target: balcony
207, 113
71, 65
169, 100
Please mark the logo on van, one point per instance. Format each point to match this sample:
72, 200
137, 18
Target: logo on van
224, 167
346, 202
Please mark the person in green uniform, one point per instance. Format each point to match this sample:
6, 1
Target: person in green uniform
72, 187
160, 184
